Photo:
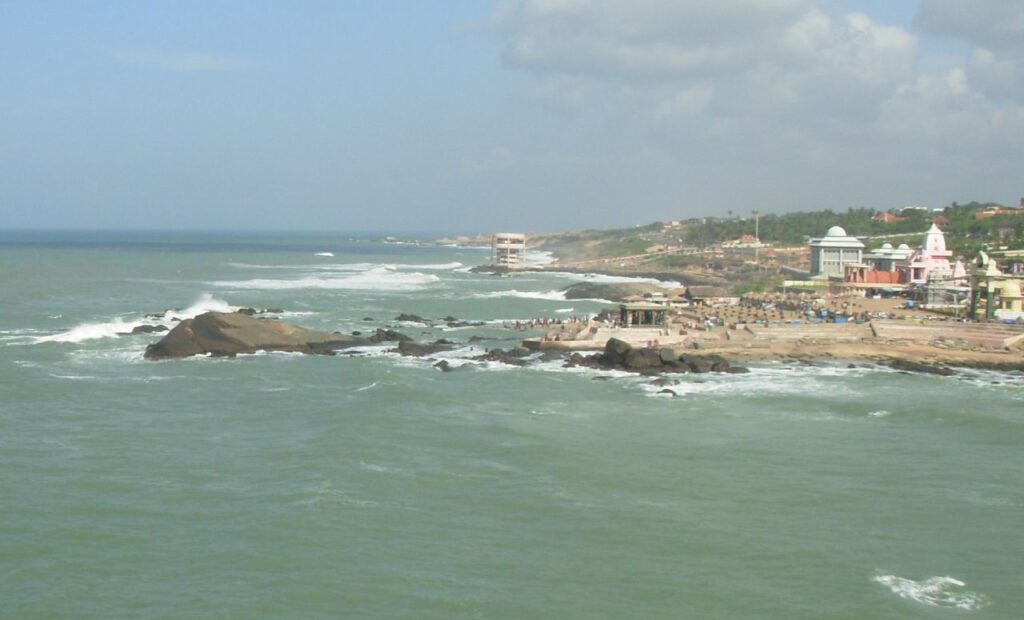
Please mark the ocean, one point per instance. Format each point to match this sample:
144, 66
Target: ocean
375, 486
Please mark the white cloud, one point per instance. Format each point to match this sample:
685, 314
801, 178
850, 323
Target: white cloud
788, 86
994, 30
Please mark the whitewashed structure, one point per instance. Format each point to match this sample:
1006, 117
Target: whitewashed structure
931, 258
830, 254
886, 258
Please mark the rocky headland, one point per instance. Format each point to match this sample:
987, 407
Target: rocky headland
616, 292
234, 333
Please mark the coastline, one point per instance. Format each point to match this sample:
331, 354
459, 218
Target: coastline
877, 353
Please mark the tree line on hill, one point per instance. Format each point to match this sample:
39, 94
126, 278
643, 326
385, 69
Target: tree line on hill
963, 229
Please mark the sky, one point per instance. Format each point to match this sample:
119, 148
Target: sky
524, 115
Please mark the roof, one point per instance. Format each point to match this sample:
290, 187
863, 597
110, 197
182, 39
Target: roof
836, 237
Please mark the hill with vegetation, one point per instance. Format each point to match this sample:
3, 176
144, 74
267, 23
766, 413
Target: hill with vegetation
966, 232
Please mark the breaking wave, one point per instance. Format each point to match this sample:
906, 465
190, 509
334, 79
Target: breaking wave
534, 257
546, 295
601, 278
119, 325
352, 266
376, 279
934, 591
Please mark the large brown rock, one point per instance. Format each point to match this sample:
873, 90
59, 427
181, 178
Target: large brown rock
613, 291
615, 351
232, 333
642, 360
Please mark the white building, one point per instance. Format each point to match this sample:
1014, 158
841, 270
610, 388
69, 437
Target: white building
831, 253
508, 249
886, 257
931, 257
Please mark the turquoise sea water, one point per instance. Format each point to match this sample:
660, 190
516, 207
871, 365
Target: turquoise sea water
373, 486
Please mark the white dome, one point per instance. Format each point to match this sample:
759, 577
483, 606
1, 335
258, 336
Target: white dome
904, 246
836, 231
886, 246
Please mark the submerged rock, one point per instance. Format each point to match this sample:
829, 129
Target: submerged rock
232, 333
410, 318
255, 311
419, 349
512, 357
144, 329
388, 335
911, 366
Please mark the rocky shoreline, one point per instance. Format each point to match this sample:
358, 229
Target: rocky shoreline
237, 333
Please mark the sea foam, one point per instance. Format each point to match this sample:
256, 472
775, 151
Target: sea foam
119, 325
545, 295
315, 267
934, 591
377, 279
601, 278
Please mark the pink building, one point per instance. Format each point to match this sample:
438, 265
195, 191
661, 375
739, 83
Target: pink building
931, 257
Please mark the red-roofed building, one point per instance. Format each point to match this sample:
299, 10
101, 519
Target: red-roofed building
888, 217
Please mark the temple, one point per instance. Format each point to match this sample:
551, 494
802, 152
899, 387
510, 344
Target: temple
994, 295
639, 314
931, 258
928, 265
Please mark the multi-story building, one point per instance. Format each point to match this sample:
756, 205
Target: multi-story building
508, 249
831, 253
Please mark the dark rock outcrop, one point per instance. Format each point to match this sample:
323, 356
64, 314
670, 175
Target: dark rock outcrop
610, 291
620, 355
388, 335
512, 357
144, 329
615, 352
642, 360
491, 269
419, 349
233, 333
1007, 366
465, 324
410, 318
697, 363
255, 311
921, 367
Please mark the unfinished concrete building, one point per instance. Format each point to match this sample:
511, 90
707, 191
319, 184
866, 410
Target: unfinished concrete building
508, 249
